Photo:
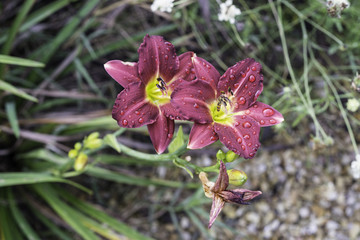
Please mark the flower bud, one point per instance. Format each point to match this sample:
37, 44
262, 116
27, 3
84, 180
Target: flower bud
236, 177
80, 162
93, 143
77, 146
230, 156
73, 153
93, 135
220, 155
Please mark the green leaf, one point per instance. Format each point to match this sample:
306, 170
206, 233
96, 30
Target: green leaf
180, 165
20, 219
111, 141
177, 142
19, 61
102, 217
11, 89
11, 179
12, 117
69, 214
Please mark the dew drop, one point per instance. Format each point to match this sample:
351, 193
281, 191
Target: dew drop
137, 112
262, 122
243, 75
141, 120
247, 69
252, 78
247, 111
202, 141
229, 142
213, 138
196, 105
272, 121
243, 147
239, 140
251, 154
249, 144
236, 124
246, 136
125, 122
246, 125
232, 77
242, 100
268, 112
170, 135
253, 68
121, 113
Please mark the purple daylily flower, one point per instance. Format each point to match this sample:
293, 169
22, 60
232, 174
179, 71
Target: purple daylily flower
148, 85
220, 194
224, 107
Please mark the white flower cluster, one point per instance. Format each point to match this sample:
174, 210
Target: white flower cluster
335, 7
353, 104
228, 11
355, 167
162, 5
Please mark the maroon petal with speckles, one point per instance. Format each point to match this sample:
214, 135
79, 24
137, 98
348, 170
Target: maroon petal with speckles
192, 100
202, 135
131, 110
239, 196
242, 137
186, 70
264, 114
123, 72
222, 181
161, 132
157, 58
245, 81
171, 112
206, 72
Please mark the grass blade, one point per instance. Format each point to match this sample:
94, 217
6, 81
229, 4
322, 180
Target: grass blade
12, 117
20, 219
19, 61
11, 89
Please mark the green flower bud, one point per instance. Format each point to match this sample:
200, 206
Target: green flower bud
220, 155
93, 135
73, 153
80, 162
236, 177
230, 156
93, 143
77, 146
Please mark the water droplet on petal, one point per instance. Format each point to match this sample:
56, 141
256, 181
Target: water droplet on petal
247, 111
251, 154
213, 138
268, 112
200, 92
170, 135
196, 105
242, 100
166, 57
249, 144
121, 113
141, 120
243, 147
236, 124
246, 136
252, 78
125, 122
246, 125
272, 121
202, 141
262, 122
253, 68
239, 140
232, 77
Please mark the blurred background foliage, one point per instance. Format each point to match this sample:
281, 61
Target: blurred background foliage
54, 92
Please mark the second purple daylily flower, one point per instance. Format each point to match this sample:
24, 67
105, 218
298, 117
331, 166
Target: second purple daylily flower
225, 108
148, 85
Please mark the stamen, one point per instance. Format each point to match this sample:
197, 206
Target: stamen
162, 86
223, 100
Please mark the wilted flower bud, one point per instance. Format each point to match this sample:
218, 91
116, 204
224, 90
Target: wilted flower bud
220, 155
80, 162
237, 177
230, 156
73, 153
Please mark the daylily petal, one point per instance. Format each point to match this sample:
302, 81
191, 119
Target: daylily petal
161, 132
222, 181
264, 114
242, 137
239, 196
157, 58
131, 109
171, 112
202, 135
192, 100
206, 72
186, 69
216, 207
244, 80
123, 72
